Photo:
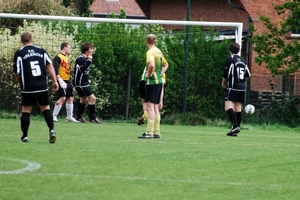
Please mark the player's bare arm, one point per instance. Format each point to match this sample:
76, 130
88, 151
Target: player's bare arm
164, 68
52, 74
150, 69
18, 78
224, 81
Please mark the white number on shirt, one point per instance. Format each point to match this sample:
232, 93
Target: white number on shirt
35, 68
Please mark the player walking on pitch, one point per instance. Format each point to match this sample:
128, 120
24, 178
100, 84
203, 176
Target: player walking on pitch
236, 73
61, 65
30, 66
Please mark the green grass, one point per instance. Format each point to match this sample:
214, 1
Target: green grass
108, 161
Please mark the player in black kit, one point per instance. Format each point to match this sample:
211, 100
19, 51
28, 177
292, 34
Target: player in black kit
81, 82
236, 73
30, 66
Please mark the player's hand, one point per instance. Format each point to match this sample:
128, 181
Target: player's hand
19, 86
160, 105
62, 84
90, 57
55, 86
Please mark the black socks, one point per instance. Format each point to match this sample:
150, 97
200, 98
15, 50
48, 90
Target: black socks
25, 122
232, 117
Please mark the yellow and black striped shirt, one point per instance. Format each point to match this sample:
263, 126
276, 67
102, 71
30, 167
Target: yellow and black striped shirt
61, 65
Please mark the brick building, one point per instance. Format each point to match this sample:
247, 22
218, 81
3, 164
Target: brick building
213, 10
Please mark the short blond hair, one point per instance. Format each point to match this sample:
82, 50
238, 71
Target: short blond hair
151, 39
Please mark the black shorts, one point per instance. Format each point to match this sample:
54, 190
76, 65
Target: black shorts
31, 99
153, 93
142, 88
66, 93
84, 91
235, 96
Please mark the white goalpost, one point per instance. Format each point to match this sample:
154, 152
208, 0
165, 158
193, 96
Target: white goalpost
238, 26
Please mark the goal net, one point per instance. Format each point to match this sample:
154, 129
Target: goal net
195, 50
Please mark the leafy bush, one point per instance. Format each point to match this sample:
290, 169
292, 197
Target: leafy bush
46, 37
284, 113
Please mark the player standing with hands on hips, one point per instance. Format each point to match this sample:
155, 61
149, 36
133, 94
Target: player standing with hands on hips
236, 73
156, 66
81, 82
30, 66
61, 65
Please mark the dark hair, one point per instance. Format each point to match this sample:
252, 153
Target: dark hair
85, 47
63, 45
26, 37
234, 47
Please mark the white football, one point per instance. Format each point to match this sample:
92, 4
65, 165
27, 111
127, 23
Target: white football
249, 109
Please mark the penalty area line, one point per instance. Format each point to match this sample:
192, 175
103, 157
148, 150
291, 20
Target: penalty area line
138, 178
31, 166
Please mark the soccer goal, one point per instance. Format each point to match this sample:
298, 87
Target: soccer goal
238, 27
120, 55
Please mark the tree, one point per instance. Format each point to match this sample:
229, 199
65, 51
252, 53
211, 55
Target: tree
82, 7
37, 7
281, 56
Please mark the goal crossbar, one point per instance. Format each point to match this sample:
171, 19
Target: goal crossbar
238, 26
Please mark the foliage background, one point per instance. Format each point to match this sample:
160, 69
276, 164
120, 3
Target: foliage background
119, 61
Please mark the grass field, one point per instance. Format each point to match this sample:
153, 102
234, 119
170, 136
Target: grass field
108, 161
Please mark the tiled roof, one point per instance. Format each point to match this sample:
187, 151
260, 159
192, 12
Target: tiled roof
106, 7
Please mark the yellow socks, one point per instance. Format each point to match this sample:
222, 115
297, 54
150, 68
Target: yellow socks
145, 115
157, 124
150, 126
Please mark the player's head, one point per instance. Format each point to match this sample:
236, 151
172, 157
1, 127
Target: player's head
66, 48
85, 47
26, 38
234, 48
151, 39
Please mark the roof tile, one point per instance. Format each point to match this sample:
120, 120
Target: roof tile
108, 7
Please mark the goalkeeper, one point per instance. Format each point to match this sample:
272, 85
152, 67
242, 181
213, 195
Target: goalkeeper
61, 65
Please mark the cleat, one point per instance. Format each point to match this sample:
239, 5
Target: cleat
82, 119
52, 135
156, 136
24, 139
140, 121
55, 119
146, 136
71, 119
234, 132
95, 121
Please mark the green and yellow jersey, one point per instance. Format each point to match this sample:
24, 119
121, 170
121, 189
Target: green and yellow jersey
163, 78
154, 54
143, 77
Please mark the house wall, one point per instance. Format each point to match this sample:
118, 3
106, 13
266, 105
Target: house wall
261, 76
205, 10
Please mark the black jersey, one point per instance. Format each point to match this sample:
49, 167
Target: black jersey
236, 70
81, 71
30, 62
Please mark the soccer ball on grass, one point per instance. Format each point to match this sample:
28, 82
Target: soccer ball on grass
249, 109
